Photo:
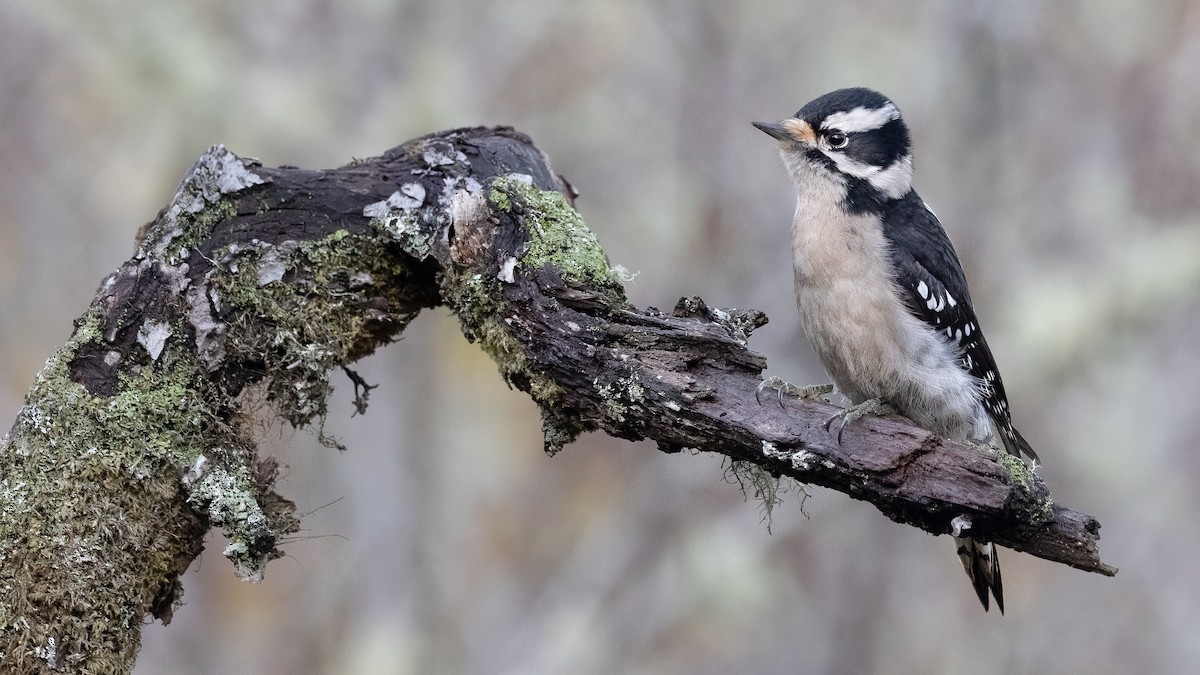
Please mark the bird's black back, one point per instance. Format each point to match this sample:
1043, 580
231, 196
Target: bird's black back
919, 246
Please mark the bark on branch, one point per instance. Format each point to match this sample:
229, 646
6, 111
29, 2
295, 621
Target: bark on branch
254, 283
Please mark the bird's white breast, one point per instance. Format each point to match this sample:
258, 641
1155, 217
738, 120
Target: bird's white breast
853, 315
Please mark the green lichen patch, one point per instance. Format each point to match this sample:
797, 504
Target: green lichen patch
108, 508
159, 411
557, 431
172, 439
1018, 473
192, 229
339, 296
477, 302
1034, 509
399, 218
229, 496
618, 396
203, 199
558, 237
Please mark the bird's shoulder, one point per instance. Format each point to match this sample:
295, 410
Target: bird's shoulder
925, 264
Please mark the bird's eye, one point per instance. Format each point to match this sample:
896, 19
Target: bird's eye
837, 140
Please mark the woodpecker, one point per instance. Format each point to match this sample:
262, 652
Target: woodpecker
881, 293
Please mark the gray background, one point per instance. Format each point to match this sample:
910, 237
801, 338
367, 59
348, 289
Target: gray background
1059, 142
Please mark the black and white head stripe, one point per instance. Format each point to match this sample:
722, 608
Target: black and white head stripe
861, 118
893, 180
877, 146
843, 101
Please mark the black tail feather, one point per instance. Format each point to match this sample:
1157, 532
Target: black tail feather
982, 566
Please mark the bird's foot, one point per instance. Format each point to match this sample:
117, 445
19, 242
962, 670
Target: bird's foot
812, 391
871, 406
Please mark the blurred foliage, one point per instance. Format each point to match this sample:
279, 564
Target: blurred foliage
1059, 142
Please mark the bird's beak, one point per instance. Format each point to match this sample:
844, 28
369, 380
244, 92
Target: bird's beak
790, 130
774, 129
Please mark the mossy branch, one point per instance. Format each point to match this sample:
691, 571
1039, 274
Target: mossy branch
254, 283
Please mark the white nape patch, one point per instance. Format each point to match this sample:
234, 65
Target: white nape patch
853, 167
923, 290
861, 119
895, 180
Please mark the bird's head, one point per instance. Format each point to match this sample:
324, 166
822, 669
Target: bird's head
854, 135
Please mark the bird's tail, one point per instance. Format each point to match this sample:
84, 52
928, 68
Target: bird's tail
983, 567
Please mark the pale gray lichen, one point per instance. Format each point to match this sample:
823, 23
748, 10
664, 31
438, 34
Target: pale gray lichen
274, 261
217, 174
619, 395
506, 274
399, 216
210, 333
194, 473
410, 196
152, 336
468, 208
231, 502
442, 153
453, 184
50, 652
802, 460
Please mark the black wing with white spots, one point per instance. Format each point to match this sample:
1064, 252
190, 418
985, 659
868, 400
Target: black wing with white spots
935, 291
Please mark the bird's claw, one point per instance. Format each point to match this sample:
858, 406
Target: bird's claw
770, 383
872, 406
812, 391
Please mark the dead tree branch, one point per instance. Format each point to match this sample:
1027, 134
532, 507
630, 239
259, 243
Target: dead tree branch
257, 282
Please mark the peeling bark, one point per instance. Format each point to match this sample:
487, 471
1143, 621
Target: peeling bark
256, 282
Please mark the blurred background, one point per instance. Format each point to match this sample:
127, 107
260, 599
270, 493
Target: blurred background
1058, 142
